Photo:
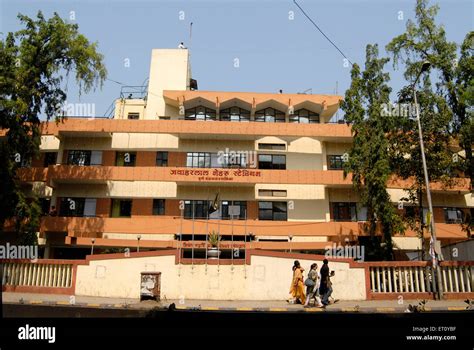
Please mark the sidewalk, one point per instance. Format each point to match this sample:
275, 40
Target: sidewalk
376, 306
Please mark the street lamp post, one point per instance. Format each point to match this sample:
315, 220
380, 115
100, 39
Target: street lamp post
92, 246
138, 243
436, 271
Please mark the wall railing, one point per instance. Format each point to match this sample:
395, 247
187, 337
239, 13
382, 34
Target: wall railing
47, 275
418, 278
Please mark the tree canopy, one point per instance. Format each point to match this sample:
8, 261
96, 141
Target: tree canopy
33, 64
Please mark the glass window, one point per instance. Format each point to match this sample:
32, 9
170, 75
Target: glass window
121, 208
50, 158
125, 158
232, 160
453, 215
198, 160
216, 161
235, 208
76, 157
362, 214
158, 207
272, 146
272, 193
238, 209
335, 162
234, 114
276, 211
344, 211
161, 158
200, 113
304, 116
270, 115
45, 204
133, 116
96, 158
271, 161
213, 160
199, 207
72, 207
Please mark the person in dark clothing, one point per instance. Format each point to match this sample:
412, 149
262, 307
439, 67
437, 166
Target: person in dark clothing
325, 289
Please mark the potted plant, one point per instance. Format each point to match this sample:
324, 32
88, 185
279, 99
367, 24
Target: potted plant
213, 239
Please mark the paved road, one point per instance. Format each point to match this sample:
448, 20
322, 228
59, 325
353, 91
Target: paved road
86, 303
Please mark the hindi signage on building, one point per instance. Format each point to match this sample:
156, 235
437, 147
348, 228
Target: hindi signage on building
216, 174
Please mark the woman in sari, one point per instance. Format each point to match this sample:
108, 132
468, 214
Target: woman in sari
297, 284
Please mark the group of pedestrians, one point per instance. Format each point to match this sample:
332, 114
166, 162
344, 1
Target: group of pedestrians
318, 285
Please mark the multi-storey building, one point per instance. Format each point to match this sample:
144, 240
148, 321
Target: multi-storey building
268, 164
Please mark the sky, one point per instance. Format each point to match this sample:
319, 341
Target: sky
275, 46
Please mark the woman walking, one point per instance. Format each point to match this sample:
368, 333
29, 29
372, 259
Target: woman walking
297, 285
312, 286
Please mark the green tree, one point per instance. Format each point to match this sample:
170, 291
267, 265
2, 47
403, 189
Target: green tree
424, 40
445, 101
33, 62
365, 102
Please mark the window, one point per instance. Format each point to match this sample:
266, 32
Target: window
453, 215
200, 113
158, 207
229, 160
45, 204
198, 160
215, 160
335, 162
276, 211
304, 116
199, 207
133, 116
125, 158
272, 193
72, 207
50, 158
270, 115
81, 158
79, 207
237, 209
271, 161
161, 158
121, 208
272, 146
234, 114
362, 214
344, 211
96, 158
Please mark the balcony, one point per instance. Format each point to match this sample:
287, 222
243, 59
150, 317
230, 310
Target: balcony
195, 129
87, 227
